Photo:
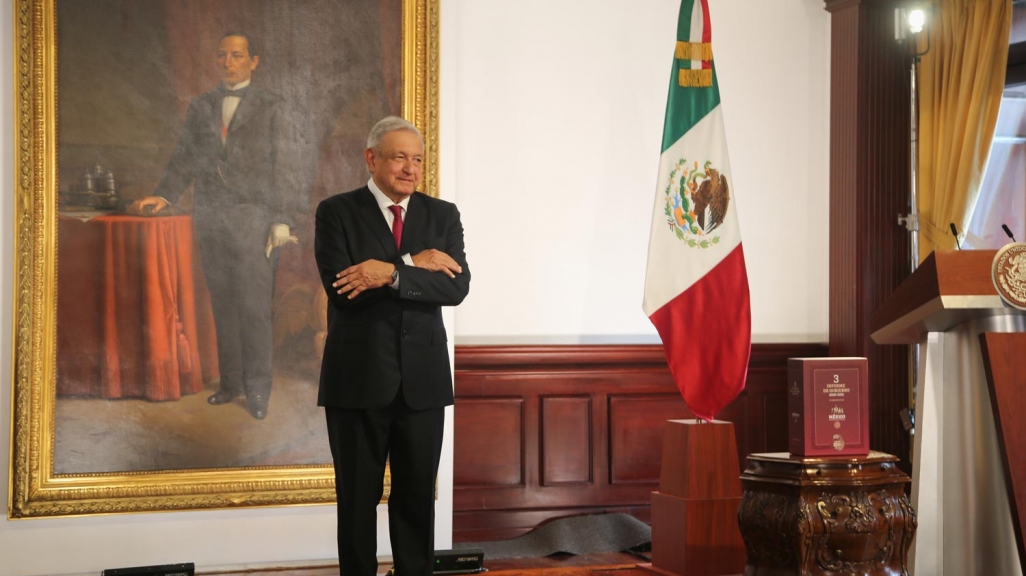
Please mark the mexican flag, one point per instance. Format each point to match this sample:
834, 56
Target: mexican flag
696, 286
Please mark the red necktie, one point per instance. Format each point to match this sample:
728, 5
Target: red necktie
397, 224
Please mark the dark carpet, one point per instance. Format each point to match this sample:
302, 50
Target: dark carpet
590, 534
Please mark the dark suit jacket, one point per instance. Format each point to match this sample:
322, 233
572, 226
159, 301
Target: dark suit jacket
257, 165
385, 337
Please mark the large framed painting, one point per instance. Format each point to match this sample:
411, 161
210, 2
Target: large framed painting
167, 343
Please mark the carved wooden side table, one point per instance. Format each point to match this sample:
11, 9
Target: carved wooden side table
825, 516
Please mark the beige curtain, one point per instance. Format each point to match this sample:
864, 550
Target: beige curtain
962, 78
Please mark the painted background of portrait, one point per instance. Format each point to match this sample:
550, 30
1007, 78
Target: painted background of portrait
126, 72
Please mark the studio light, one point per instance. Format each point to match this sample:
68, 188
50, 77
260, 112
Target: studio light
916, 20
910, 21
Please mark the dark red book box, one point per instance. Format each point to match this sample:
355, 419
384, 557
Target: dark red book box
828, 406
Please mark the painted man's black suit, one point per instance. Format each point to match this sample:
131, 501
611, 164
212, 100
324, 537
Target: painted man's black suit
241, 187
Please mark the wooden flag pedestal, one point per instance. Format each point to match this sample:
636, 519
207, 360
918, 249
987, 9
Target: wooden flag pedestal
694, 513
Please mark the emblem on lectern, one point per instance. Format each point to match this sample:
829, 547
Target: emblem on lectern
1009, 274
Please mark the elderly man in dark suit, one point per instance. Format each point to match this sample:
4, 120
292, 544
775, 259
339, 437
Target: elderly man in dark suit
235, 153
389, 258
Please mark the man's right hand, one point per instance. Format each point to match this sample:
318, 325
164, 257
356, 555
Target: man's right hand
147, 206
437, 261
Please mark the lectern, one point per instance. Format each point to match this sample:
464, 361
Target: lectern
959, 485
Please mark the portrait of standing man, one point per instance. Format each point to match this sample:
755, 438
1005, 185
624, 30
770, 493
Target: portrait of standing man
236, 154
389, 258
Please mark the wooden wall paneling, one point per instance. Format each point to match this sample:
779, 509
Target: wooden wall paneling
566, 440
869, 183
773, 412
636, 427
494, 454
531, 387
623, 393
766, 413
601, 434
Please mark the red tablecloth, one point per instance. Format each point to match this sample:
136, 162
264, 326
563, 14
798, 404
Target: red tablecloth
133, 313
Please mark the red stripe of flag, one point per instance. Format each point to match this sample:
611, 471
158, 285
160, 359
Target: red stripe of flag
715, 311
706, 31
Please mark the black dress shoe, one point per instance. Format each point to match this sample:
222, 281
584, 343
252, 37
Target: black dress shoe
257, 406
222, 396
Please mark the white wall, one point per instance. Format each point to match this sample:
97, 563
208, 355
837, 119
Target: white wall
558, 132
551, 122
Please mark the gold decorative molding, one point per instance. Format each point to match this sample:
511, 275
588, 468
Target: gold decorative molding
420, 81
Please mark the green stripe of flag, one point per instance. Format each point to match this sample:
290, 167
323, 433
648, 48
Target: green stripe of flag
685, 107
687, 7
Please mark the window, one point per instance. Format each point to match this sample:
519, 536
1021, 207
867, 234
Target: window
1002, 197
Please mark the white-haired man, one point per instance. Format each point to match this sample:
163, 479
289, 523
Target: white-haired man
389, 258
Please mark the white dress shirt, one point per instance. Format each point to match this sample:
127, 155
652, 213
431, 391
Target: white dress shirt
383, 203
229, 105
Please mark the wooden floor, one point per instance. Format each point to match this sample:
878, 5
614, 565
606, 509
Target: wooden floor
559, 565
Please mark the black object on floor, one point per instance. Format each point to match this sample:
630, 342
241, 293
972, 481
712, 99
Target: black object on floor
589, 534
187, 569
461, 561
643, 551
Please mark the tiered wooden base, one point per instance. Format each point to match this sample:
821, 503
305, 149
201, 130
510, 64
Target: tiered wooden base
826, 516
694, 512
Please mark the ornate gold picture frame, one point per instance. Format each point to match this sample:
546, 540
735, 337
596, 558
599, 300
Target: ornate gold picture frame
62, 100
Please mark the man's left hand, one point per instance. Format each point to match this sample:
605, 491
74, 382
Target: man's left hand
437, 261
366, 275
277, 237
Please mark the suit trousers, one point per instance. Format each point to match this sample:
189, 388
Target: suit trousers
361, 441
240, 279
